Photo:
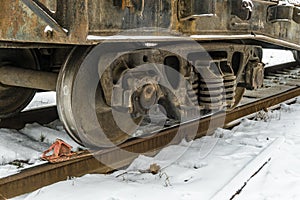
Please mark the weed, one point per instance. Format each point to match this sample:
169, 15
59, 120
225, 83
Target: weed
42, 137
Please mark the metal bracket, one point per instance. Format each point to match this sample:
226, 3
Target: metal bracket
296, 15
254, 75
191, 9
127, 4
284, 13
280, 13
242, 9
135, 6
41, 11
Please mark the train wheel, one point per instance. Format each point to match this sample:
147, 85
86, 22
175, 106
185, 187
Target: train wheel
82, 106
106, 94
15, 99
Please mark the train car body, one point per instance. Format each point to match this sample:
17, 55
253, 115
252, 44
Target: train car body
74, 22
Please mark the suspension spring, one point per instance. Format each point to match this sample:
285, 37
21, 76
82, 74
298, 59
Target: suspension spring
211, 93
229, 89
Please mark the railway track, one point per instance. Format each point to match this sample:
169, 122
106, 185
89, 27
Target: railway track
41, 116
34, 178
252, 168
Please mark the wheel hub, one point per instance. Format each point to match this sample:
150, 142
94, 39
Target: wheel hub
147, 97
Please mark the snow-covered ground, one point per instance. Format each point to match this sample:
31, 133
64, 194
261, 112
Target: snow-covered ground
207, 165
273, 56
23, 148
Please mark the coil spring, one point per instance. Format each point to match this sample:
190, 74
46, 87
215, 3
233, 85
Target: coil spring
229, 87
211, 93
193, 93
192, 111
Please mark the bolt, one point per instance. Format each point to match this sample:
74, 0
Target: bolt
247, 4
49, 33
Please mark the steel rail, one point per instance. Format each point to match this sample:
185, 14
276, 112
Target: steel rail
274, 69
34, 178
41, 116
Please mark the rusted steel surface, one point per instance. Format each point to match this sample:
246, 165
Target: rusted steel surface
42, 116
14, 76
72, 21
32, 179
21, 24
45, 14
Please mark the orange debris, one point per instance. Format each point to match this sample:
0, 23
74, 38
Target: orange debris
61, 152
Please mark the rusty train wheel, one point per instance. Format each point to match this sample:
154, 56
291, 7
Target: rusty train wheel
106, 93
88, 119
15, 99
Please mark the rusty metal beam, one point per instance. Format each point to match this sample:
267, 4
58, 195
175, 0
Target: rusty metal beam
33, 5
252, 20
27, 78
41, 116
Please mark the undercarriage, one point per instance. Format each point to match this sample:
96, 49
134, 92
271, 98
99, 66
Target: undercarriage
154, 63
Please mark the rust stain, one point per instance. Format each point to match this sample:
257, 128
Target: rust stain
103, 17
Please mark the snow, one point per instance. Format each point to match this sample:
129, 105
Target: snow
26, 145
48, 29
198, 169
42, 99
273, 56
207, 165
280, 179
